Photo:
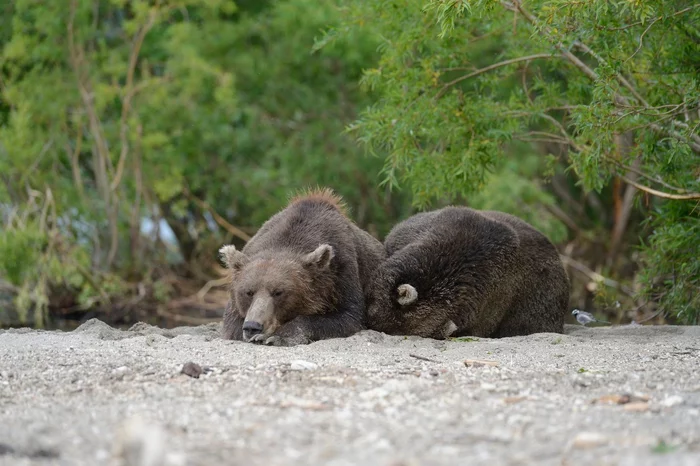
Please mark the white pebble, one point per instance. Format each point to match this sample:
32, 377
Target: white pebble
589, 440
671, 401
300, 365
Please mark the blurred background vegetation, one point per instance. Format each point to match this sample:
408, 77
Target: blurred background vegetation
138, 136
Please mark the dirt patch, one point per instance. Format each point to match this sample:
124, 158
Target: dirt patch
99, 395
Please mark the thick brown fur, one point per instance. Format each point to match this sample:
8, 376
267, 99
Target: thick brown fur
303, 276
458, 271
323, 195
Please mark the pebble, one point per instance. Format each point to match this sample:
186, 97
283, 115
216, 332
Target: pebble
671, 401
192, 369
120, 372
301, 365
636, 406
589, 440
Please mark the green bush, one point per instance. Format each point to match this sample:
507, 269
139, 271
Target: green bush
470, 93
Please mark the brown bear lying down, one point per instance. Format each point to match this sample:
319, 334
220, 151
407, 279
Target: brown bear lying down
302, 277
457, 271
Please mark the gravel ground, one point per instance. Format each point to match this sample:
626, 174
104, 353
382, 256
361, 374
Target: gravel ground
98, 395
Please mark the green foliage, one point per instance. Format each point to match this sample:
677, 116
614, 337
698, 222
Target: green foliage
662, 448
464, 339
672, 268
173, 111
205, 115
471, 95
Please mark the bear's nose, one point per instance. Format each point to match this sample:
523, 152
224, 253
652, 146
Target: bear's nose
252, 328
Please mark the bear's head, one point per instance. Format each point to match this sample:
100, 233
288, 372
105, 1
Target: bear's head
395, 307
270, 289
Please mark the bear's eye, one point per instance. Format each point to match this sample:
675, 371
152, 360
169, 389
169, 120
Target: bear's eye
250, 293
277, 293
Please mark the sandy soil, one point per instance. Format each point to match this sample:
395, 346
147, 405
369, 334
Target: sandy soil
98, 395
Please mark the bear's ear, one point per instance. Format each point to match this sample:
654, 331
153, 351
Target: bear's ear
320, 257
407, 294
234, 259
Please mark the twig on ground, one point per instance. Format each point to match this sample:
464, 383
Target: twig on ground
422, 358
479, 363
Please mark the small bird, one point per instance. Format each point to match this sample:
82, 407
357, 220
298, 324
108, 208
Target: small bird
584, 317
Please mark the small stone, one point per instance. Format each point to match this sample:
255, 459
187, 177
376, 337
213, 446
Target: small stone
192, 369
671, 401
621, 399
480, 363
120, 372
6, 449
509, 400
637, 406
589, 440
301, 365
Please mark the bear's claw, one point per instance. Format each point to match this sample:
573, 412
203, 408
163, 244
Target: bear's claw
258, 339
275, 341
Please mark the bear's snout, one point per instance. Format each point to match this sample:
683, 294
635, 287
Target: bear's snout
251, 328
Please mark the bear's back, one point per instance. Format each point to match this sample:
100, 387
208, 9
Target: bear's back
449, 247
454, 229
408, 231
538, 255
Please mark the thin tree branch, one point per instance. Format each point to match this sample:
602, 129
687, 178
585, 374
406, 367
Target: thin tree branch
525, 138
75, 161
621, 79
623, 145
235, 231
567, 137
30, 170
654, 192
595, 276
640, 99
101, 156
563, 216
664, 115
562, 191
129, 94
644, 175
641, 39
135, 230
218, 282
444, 88
679, 12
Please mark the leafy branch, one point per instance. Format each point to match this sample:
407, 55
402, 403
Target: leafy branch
620, 99
444, 88
680, 197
